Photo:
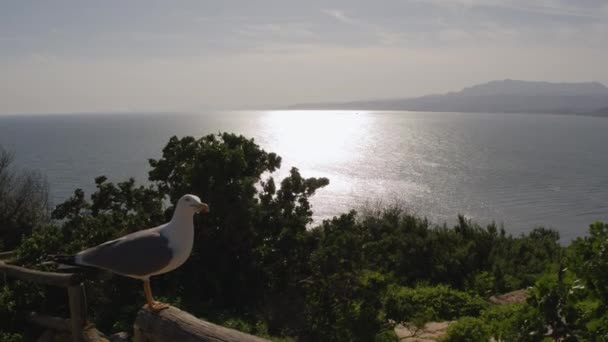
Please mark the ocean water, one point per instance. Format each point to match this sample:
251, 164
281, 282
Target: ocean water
519, 170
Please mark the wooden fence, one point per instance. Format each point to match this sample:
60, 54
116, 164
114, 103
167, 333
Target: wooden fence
170, 324
173, 324
72, 282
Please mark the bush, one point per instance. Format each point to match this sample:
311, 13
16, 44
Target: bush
10, 337
345, 306
467, 329
387, 335
514, 322
23, 202
467, 256
437, 302
588, 256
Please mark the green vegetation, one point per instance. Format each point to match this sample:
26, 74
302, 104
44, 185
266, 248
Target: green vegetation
23, 202
467, 329
436, 303
258, 266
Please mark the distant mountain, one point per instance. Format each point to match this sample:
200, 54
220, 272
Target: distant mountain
514, 87
507, 96
602, 112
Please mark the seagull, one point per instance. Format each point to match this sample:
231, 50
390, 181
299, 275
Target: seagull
147, 252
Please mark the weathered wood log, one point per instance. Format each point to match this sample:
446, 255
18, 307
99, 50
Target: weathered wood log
47, 336
173, 324
6, 255
120, 337
40, 277
50, 322
78, 313
88, 273
91, 334
62, 326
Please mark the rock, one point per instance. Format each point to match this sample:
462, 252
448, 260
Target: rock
514, 297
431, 331
120, 337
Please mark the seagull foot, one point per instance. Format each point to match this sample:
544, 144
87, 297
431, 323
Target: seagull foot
157, 307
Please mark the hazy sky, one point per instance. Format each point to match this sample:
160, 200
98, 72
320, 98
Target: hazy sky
83, 56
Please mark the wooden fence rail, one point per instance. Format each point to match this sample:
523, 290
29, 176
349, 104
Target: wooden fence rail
75, 289
173, 324
40, 277
170, 324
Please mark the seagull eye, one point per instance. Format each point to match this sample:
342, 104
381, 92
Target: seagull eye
187, 200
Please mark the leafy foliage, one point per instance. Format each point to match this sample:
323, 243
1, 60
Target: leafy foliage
572, 299
467, 329
259, 265
437, 302
566, 303
252, 236
514, 322
589, 258
23, 202
10, 337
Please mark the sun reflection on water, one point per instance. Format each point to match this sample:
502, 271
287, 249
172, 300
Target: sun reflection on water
317, 137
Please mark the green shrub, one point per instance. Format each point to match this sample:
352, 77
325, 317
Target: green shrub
10, 337
387, 335
345, 306
438, 302
514, 322
24, 204
467, 329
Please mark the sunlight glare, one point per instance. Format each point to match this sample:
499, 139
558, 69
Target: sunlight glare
317, 137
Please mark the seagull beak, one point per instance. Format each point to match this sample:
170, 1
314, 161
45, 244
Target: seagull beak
203, 208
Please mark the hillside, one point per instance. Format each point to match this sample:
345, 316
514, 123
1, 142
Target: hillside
507, 96
602, 112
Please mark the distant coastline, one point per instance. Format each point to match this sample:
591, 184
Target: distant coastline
506, 96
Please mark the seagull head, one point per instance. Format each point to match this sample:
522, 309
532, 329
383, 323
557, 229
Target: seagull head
191, 203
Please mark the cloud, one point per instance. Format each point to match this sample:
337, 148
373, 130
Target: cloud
219, 53
382, 34
340, 16
545, 7
10, 39
280, 30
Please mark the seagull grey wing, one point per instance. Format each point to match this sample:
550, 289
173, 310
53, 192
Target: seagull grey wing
139, 254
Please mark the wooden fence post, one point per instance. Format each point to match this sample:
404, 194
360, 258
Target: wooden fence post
78, 311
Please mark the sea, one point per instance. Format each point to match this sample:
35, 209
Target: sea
519, 171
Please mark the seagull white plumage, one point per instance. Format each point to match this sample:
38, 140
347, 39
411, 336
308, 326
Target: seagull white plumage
148, 252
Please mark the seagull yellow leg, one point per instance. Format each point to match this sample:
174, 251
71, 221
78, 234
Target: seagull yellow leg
152, 305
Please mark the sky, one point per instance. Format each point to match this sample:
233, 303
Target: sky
118, 55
